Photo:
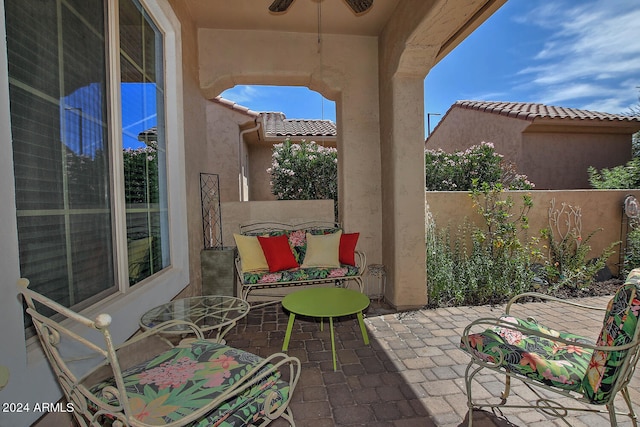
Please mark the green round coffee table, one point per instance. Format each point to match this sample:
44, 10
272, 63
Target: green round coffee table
325, 302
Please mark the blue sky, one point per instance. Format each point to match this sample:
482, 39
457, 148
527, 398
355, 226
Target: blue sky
580, 54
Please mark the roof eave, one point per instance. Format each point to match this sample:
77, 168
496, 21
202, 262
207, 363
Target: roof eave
586, 125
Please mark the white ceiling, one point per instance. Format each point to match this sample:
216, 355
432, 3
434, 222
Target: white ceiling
302, 16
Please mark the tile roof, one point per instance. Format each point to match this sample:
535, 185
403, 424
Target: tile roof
274, 124
530, 111
150, 134
277, 125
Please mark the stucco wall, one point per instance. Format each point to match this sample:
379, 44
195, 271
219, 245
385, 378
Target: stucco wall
560, 160
462, 128
555, 159
403, 178
600, 209
259, 179
221, 148
284, 211
195, 134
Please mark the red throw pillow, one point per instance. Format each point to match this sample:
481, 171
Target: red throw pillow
348, 247
277, 253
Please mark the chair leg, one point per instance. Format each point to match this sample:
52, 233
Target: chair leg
627, 399
507, 389
612, 415
468, 378
288, 416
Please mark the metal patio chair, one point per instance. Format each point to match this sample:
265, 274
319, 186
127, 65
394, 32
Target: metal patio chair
196, 383
559, 363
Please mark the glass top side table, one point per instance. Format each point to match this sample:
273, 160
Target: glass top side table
210, 313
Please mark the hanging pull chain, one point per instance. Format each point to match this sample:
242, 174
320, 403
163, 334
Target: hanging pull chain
320, 52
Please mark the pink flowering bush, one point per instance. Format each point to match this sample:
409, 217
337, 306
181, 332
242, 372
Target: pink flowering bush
457, 171
304, 171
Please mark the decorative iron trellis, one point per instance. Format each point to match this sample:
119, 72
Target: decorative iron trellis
211, 214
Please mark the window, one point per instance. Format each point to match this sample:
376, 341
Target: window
142, 93
66, 146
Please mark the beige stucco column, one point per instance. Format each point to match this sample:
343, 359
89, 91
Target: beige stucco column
402, 133
416, 37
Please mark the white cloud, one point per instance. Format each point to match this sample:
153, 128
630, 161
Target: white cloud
491, 96
575, 91
591, 49
242, 94
606, 105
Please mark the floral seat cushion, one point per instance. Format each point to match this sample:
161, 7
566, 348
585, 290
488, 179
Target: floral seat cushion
184, 379
298, 274
548, 361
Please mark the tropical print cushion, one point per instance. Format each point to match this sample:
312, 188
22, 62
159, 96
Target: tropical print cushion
298, 274
619, 328
542, 359
184, 379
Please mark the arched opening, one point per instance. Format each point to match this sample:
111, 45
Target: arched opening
267, 116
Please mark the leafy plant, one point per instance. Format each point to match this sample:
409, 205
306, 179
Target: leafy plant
482, 265
502, 226
632, 251
141, 174
626, 176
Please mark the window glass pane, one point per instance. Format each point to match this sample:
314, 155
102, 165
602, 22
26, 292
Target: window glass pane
57, 87
142, 91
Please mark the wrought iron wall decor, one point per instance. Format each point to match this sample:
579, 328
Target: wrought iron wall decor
211, 213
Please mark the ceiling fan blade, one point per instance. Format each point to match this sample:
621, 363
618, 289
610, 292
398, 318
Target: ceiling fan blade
280, 6
359, 6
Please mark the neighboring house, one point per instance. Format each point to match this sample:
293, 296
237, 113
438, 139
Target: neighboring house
553, 146
247, 137
66, 213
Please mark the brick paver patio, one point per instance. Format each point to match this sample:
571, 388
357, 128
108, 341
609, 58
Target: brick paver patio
412, 374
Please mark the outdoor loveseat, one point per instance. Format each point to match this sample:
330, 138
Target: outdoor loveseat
273, 255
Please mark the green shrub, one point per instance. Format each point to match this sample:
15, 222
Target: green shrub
141, 174
632, 251
484, 265
627, 176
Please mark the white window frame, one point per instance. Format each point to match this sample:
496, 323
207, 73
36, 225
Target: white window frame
26, 363
130, 303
